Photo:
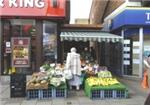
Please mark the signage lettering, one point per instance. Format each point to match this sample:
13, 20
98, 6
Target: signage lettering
32, 8
1, 3
39, 4
148, 16
24, 3
12, 3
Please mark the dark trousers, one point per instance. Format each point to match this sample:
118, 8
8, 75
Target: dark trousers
147, 101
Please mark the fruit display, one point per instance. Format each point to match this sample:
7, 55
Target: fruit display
88, 69
94, 81
104, 74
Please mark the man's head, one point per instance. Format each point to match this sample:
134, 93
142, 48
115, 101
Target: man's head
73, 49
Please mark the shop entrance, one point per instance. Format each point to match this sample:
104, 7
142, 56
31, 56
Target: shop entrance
67, 45
108, 47
110, 55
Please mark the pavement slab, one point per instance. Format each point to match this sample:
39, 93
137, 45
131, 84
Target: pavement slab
137, 96
29, 102
44, 102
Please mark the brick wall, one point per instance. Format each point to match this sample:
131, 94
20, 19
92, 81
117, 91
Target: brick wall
97, 11
102, 8
111, 6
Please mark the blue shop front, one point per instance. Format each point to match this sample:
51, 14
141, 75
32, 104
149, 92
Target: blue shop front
134, 25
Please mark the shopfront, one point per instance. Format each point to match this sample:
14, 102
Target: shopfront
108, 47
29, 34
134, 25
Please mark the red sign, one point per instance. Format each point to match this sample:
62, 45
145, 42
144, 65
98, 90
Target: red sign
20, 52
52, 8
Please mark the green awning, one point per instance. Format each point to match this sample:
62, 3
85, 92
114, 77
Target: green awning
90, 36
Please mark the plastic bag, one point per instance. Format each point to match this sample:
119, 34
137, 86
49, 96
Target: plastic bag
68, 74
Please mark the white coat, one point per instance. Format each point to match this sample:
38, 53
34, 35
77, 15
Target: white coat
73, 63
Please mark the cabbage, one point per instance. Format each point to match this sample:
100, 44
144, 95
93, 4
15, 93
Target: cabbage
55, 81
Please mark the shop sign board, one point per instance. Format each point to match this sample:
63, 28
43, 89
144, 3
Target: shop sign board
137, 16
32, 8
20, 51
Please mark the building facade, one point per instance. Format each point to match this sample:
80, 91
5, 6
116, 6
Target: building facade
130, 19
29, 34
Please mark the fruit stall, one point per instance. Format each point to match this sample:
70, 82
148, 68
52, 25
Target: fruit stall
51, 82
102, 85
105, 88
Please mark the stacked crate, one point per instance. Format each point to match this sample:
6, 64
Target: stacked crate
51, 92
103, 94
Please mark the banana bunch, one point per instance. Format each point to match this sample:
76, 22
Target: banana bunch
94, 81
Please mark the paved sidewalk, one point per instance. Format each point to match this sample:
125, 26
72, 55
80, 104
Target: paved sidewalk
137, 97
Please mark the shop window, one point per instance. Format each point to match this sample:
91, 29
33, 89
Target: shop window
50, 41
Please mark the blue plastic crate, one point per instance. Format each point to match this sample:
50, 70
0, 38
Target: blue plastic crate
104, 94
108, 94
52, 92
33, 94
46, 93
60, 92
97, 94
121, 93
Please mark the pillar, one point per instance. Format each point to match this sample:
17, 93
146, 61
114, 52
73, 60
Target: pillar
122, 67
39, 44
141, 52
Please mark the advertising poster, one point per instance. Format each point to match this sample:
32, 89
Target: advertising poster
20, 52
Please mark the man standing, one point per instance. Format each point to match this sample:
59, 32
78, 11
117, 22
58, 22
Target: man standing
73, 63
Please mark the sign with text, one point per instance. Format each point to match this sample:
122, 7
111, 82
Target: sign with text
20, 52
50, 8
132, 16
